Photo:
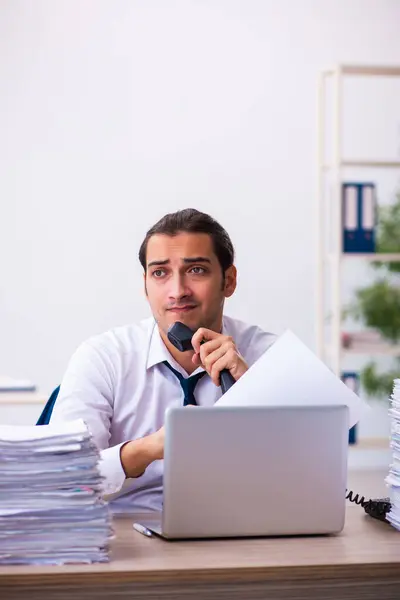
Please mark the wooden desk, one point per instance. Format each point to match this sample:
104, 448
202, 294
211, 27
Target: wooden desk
362, 563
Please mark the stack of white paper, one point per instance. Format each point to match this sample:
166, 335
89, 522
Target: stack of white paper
393, 479
51, 507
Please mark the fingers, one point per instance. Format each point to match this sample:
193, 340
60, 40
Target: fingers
209, 359
196, 360
201, 335
218, 361
217, 352
208, 347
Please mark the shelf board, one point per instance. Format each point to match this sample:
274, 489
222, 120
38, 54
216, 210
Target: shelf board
380, 164
374, 256
371, 163
369, 256
368, 349
375, 70
363, 70
377, 349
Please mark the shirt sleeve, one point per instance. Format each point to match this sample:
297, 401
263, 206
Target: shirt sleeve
256, 344
87, 392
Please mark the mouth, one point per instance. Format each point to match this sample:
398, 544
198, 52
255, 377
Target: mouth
181, 309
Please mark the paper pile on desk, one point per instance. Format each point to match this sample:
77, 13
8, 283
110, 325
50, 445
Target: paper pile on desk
51, 508
393, 479
288, 374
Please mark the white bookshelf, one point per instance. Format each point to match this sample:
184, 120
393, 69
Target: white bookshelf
330, 260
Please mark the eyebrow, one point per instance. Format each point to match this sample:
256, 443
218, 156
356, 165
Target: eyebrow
158, 263
196, 259
187, 261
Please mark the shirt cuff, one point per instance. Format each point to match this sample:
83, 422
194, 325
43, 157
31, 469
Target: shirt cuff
111, 470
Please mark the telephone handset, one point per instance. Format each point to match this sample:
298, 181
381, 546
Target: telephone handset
375, 507
180, 336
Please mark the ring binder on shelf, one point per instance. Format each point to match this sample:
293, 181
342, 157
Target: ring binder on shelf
359, 217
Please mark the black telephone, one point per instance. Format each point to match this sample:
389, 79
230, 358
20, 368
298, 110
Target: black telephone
374, 507
180, 335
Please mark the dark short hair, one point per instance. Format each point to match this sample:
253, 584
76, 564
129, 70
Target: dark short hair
191, 220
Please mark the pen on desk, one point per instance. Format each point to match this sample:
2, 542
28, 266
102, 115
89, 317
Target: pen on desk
143, 530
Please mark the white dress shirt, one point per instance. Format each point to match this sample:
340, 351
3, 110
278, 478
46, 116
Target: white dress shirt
118, 384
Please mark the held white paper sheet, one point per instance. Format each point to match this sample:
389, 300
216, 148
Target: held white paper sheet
288, 373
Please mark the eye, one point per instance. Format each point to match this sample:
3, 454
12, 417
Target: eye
158, 273
197, 270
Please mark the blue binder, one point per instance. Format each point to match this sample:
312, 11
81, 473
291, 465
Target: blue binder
352, 380
359, 217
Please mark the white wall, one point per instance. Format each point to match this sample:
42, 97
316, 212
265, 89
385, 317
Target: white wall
115, 112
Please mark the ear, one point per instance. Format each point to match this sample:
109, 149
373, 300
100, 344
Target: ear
230, 281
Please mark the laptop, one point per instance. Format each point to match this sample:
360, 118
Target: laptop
253, 471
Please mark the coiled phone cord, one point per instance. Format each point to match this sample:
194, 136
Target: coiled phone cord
375, 508
360, 500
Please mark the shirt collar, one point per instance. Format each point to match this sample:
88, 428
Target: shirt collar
157, 349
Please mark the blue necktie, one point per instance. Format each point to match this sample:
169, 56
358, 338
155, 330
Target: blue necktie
188, 384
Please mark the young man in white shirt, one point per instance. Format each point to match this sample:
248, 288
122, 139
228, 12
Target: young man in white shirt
121, 382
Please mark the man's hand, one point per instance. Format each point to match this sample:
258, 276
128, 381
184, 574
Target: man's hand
137, 455
218, 352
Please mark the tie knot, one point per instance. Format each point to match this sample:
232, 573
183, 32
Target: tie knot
191, 382
188, 384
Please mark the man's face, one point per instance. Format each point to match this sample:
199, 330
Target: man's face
184, 281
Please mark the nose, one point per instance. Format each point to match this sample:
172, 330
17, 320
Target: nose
178, 288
